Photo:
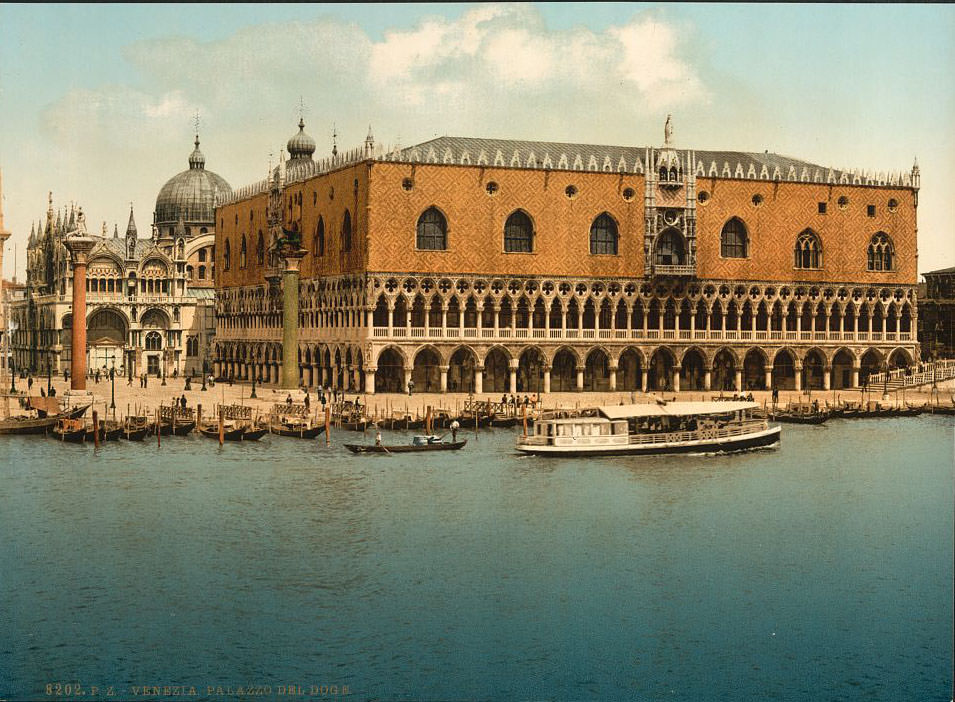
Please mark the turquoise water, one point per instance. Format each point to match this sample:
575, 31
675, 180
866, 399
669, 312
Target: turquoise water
818, 571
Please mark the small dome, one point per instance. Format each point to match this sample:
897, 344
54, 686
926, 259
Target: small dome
301, 145
191, 195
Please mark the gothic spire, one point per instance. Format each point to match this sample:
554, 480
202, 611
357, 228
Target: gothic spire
131, 227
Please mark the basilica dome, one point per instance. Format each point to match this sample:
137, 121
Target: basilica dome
191, 194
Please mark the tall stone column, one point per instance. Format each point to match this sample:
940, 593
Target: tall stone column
370, 380
79, 247
293, 260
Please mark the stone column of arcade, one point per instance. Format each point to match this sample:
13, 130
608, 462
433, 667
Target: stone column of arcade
79, 247
293, 260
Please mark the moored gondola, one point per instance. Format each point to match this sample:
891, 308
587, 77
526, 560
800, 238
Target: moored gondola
69, 430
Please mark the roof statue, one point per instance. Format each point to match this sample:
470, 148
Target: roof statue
668, 131
81, 223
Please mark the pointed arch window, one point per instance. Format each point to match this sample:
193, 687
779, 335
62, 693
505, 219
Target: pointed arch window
881, 252
242, 253
734, 243
319, 246
432, 234
227, 256
346, 232
518, 233
808, 251
260, 250
603, 235
669, 249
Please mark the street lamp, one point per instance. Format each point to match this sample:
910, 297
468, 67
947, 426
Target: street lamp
49, 374
112, 383
13, 378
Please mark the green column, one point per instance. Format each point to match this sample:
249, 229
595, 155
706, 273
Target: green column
290, 319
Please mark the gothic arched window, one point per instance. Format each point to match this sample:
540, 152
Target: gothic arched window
669, 250
603, 235
260, 250
881, 252
227, 256
153, 341
733, 240
346, 232
432, 230
242, 252
319, 246
518, 233
808, 251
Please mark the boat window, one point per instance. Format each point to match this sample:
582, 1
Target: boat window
604, 429
550, 430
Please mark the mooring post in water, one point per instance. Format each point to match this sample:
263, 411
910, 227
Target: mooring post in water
525, 421
158, 432
95, 428
199, 416
221, 428
328, 425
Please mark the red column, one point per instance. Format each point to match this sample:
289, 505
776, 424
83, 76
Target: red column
79, 248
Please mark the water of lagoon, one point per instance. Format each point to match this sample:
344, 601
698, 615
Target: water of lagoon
818, 571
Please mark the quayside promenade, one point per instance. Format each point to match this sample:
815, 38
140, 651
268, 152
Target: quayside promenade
134, 399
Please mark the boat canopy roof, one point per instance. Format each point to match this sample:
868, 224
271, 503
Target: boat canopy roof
674, 409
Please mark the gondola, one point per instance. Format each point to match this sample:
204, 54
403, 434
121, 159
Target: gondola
800, 417
180, 429
90, 435
505, 422
76, 412
407, 448
302, 431
71, 430
135, 428
243, 433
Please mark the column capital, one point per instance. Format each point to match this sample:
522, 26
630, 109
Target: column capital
79, 248
293, 259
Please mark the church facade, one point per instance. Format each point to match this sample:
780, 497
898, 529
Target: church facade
489, 266
149, 299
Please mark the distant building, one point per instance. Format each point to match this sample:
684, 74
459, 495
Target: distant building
149, 300
937, 315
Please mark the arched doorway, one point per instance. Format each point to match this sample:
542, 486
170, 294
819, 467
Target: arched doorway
660, 370
425, 373
461, 370
597, 371
629, 371
784, 370
563, 375
813, 369
899, 359
496, 372
530, 371
693, 371
390, 374
754, 370
724, 371
841, 370
871, 363
106, 336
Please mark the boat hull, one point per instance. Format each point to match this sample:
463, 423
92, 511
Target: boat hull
309, 433
729, 444
375, 448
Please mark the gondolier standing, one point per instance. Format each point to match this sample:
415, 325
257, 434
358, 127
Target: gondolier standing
454, 430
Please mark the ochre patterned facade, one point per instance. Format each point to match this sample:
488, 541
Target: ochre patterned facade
628, 269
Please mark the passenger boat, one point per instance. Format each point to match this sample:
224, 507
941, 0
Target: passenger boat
418, 443
72, 430
665, 427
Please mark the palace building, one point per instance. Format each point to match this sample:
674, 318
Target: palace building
489, 266
149, 300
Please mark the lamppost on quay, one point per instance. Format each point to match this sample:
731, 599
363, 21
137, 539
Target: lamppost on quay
49, 374
112, 383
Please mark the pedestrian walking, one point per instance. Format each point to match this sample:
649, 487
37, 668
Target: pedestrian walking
182, 401
29, 382
410, 387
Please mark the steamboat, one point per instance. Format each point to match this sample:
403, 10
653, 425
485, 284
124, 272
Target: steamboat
664, 427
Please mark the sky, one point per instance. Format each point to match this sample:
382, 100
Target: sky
98, 102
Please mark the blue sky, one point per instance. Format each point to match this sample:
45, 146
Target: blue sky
98, 101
